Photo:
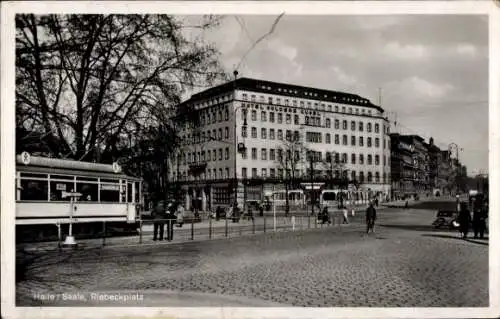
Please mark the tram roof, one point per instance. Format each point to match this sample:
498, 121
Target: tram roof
38, 164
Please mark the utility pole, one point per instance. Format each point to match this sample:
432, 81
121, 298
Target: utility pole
235, 73
312, 182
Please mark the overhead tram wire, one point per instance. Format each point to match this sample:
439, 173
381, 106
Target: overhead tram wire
271, 31
244, 28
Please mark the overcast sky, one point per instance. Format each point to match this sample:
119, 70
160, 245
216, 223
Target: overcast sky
432, 70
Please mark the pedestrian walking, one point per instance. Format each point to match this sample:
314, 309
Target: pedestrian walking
170, 217
218, 213
158, 215
250, 214
180, 215
479, 222
325, 216
371, 216
345, 212
261, 210
464, 220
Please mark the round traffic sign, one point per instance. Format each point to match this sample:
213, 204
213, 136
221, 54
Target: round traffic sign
116, 167
25, 158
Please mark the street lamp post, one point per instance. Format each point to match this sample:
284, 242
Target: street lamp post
312, 182
236, 146
452, 146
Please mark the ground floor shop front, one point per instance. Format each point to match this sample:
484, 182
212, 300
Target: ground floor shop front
250, 193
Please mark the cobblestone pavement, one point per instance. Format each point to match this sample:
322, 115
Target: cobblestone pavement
404, 264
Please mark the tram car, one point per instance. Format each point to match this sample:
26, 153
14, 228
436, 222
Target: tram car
96, 198
296, 198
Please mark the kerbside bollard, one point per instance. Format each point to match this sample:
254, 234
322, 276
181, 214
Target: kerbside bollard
192, 229
264, 223
140, 231
225, 228
59, 236
293, 223
210, 227
253, 226
103, 233
308, 221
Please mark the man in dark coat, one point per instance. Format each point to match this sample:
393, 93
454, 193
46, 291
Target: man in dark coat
171, 218
464, 220
158, 215
478, 222
371, 216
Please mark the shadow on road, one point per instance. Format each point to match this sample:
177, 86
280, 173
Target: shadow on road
470, 240
416, 227
434, 205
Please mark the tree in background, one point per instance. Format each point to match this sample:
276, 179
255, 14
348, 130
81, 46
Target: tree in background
90, 85
104, 87
290, 157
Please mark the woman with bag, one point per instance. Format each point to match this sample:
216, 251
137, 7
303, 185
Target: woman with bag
180, 215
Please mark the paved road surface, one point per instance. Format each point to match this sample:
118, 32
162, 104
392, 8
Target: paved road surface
405, 264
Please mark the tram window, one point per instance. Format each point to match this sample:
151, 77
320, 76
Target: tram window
329, 196
110, 193
56, 189
34, 190
137, 194
89, 191
129, 192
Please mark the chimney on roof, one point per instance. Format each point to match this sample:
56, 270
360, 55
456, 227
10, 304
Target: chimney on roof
431, 141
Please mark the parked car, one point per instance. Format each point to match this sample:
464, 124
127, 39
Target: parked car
446, 219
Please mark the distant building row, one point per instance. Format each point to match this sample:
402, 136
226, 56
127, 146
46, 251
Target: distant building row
420, 168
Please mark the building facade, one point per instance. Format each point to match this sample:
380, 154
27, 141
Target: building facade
418, 168
444, 172
403, 168
243, 138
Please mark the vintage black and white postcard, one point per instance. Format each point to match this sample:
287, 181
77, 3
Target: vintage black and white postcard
250, 159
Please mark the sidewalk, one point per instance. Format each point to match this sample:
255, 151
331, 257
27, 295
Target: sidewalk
212, 230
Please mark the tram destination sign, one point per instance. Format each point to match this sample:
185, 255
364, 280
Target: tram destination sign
106, 187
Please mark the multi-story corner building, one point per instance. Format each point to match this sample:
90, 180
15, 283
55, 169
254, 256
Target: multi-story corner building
434, 154
444, 172
421, 159
414, 170
403, 168
240, 134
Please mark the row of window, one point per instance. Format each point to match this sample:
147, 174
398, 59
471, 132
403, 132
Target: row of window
277, 154
208, 174
202, 137
313, 121
212, 116
310, 104
312, 137
289, 134
40, 189
204, 156
212, 174
279, 173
